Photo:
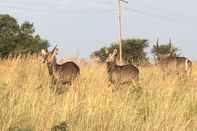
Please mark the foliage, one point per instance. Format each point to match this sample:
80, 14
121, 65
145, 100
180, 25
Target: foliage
133, 50
18, 38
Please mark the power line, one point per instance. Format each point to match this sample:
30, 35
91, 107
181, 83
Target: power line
59, 11
44, 11
183, 20
150, 14
21, 8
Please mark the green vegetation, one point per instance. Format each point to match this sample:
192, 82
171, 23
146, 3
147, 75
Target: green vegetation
18, 38
133, 50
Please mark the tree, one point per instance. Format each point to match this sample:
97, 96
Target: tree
18, 38
133, 51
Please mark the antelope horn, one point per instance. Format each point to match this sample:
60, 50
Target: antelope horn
157, 43
54, 49
170, 44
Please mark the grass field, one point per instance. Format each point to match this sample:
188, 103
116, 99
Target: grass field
28, 104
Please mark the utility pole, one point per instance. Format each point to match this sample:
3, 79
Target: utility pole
120, 28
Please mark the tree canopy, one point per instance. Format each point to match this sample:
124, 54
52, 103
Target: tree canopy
18, 38
133, 51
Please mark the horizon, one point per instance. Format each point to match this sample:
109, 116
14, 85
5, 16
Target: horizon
79, 28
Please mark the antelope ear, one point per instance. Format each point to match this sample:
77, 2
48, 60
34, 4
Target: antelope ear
43, 52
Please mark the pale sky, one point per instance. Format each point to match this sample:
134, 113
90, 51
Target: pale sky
82, 26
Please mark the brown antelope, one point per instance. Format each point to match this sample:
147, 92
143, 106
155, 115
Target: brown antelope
171, 63
120, 73
64, 73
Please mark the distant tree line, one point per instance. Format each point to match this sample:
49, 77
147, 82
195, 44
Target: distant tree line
18, 38
134, 51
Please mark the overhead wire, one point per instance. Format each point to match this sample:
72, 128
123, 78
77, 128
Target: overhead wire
44, 11
150, 14
60, 11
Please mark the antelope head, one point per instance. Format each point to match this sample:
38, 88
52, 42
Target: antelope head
49, 57
164, 56
112, 56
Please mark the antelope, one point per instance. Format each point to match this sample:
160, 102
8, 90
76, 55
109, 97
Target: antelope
64, 73
120, 73
171, 63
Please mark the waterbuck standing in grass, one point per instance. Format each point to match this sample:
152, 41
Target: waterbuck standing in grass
64, 73
120, 73
171, 63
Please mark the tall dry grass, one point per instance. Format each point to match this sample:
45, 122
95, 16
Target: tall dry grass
156, 104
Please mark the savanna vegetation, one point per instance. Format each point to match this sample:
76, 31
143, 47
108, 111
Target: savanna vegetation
28, 101
157, 104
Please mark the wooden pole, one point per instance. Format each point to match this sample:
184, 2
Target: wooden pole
120, 31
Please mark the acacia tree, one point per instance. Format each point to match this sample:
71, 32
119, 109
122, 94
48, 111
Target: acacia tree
18, 38
133, 51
